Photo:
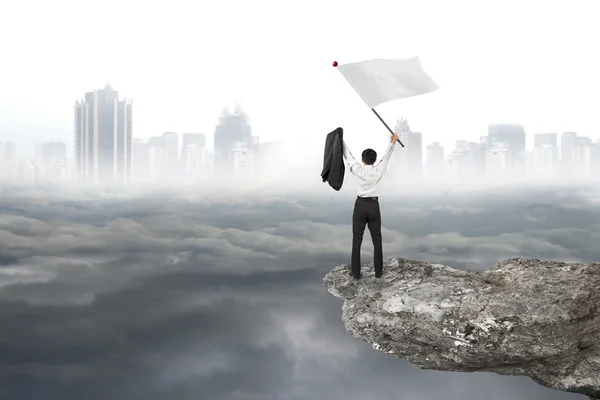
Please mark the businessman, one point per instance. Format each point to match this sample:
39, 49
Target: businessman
366, 208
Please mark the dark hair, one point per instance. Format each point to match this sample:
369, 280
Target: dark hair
369, 156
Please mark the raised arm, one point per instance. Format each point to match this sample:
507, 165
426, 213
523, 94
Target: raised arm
385, 160
355, 166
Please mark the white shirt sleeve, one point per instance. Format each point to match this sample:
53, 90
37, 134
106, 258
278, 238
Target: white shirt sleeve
385, 160
355, 166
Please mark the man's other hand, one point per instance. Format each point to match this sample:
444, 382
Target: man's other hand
395, 138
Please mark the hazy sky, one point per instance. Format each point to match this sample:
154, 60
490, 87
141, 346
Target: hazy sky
178, 295
531, 62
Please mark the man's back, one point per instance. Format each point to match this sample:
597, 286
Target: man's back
368, 176
366, 208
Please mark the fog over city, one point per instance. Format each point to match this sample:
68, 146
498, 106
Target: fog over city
164, 227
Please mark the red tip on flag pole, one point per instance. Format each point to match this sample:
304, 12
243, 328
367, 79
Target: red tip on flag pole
334, 64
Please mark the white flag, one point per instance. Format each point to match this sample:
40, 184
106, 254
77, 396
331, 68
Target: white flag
381, 80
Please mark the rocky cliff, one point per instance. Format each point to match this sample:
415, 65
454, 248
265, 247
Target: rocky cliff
520, 317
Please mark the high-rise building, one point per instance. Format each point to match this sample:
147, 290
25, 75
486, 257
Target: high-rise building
140, 160
171, 142
233, 141
103, 137
233, 127
50, 152
545, 160
499, 161
407, 162
435, 159
196, 161
544, 140
568, 145
583, 157
8, 161
467, 162
191, 139
157, 158
513, 137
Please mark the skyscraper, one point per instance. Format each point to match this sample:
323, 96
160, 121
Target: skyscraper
191, 139
435, 158
568, 152
171, 142
233, 143
103, 137
140, 159
52, 152
513, 138
545, 154
233, 127
8, 162
407, 162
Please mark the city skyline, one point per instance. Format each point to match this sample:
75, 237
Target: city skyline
486, 71
501, 154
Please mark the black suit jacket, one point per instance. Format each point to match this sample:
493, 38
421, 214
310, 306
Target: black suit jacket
333, 159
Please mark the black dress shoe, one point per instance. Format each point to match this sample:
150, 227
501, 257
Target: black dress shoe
355, 276
378, 275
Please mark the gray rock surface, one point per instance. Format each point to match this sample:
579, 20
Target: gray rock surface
520, 317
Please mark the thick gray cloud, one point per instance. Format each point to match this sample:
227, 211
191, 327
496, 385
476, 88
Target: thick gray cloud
176, 295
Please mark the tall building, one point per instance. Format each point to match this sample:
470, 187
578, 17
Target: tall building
196, 161
467, 162
499, 161
171, 143
51, 161
513, 137
407, 162
568, 150
233, 141
140, 160
545, 140
583, 157
103, 137
51, 152
157, 158
435, 159
237, 162
233, 127
8, 161
545, 160
198, 140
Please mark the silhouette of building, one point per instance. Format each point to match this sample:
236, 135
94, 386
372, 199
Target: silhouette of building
140, 159
545, 155
512, 149
435, 159
467, 162
171, 143
233, 127
8, 161
407, 162
192, 139
234, 144
103, 137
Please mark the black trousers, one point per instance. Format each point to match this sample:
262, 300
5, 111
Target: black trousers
366, 212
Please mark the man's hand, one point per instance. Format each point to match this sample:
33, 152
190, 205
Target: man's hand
395, 138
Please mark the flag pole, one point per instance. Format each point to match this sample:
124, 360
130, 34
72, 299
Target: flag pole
388, 128
335, 64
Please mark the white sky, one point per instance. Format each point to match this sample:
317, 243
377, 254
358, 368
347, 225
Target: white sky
530, 62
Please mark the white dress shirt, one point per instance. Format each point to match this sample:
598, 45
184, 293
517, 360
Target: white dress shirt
368, 176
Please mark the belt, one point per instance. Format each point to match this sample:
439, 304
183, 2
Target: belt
367, 198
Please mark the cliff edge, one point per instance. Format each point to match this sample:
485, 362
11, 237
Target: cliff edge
520, 317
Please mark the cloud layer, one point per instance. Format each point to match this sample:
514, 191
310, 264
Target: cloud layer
178, 295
